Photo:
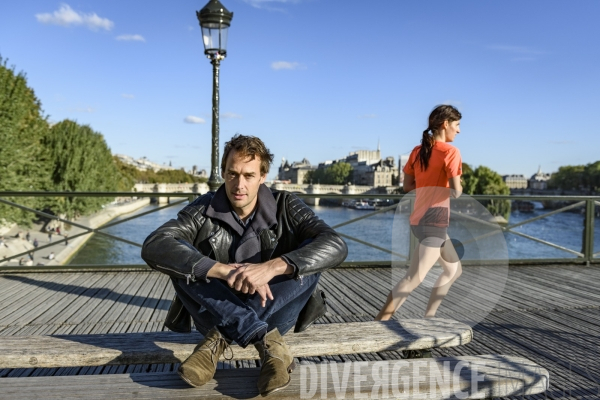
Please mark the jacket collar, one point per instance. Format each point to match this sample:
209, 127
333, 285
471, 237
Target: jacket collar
265, 216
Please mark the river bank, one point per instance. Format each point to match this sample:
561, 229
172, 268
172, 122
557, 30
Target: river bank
55, 249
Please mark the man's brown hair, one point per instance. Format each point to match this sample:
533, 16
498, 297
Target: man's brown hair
248, 146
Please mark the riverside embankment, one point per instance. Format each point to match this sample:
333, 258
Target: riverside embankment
55, 249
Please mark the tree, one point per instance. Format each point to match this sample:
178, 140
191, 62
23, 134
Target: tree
469, 179
568, 177
338, 173
335, 174
592, 172
23, 161
80, 162
484, 181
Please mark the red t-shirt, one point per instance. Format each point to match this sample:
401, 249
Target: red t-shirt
432, 203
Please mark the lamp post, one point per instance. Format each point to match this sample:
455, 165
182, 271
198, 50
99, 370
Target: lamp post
215, 20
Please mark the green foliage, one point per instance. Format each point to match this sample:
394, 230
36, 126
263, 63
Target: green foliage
577, 177
335, 174
80, 162
592, 172
134, 175
23, 160
483, 180
66, 157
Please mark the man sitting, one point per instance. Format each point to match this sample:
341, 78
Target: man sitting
244, 261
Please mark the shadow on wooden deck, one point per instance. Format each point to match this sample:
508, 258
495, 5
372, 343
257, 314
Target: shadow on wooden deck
548, 314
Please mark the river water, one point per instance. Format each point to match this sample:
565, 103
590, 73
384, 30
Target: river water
563, 229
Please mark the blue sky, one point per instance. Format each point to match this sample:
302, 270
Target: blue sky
320, 78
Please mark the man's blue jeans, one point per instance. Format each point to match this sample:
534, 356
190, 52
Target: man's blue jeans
238, 316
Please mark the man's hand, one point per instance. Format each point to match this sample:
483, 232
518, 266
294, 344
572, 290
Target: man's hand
254, 278
265, 293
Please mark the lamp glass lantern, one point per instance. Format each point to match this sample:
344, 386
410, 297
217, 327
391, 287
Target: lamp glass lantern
214, 20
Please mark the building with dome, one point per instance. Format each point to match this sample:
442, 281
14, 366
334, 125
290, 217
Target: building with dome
539, 180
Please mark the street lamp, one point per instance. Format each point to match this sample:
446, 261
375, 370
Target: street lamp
215, 20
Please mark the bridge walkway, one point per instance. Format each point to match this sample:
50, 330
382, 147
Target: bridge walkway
548, 314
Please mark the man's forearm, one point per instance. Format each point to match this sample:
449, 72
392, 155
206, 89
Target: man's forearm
219, 271
281, 267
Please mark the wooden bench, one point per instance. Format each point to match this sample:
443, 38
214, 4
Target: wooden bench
440, 378
467, 377
170, 347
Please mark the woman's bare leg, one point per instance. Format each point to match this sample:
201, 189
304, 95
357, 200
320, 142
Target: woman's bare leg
418, 269
452, 270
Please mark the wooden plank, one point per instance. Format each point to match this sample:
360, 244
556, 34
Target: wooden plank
99, 319
471, 377
162, 308
140, 297
42, 303
566, 288
166, 347
29, 291
125, 301
65, 307
566, 368
13, 288
149, 305
96, 299
564, 377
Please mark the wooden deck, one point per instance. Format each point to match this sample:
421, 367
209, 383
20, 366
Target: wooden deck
548, 314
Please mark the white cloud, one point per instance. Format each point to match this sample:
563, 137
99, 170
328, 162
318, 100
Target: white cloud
127, 96
231, 115
66, 16
190, 119
137, 38
368, 116
268, 3
278, 65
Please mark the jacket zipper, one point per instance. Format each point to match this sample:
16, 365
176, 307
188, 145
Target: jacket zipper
188, 277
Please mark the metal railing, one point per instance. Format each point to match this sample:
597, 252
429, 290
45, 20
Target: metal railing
587, 204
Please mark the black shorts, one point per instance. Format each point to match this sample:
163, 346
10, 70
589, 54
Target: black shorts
430, 236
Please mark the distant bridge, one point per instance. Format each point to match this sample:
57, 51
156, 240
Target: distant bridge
158, 188
202, 188
321, 189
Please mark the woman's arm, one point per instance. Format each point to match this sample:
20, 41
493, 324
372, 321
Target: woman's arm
456, 186
409, 183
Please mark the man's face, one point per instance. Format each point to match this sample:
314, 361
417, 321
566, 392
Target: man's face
242, 179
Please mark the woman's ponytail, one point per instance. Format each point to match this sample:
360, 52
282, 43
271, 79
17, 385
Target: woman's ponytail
427, 143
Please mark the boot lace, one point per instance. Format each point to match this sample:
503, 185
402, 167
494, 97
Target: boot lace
214, 345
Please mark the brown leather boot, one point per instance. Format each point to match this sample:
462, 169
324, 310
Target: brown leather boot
200, 367
277, 363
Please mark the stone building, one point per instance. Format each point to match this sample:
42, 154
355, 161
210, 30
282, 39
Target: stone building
369, 169
294, 172
402, 161
515, 181
381, 173
539, 180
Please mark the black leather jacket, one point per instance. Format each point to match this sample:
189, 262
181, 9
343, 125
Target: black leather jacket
168, 248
